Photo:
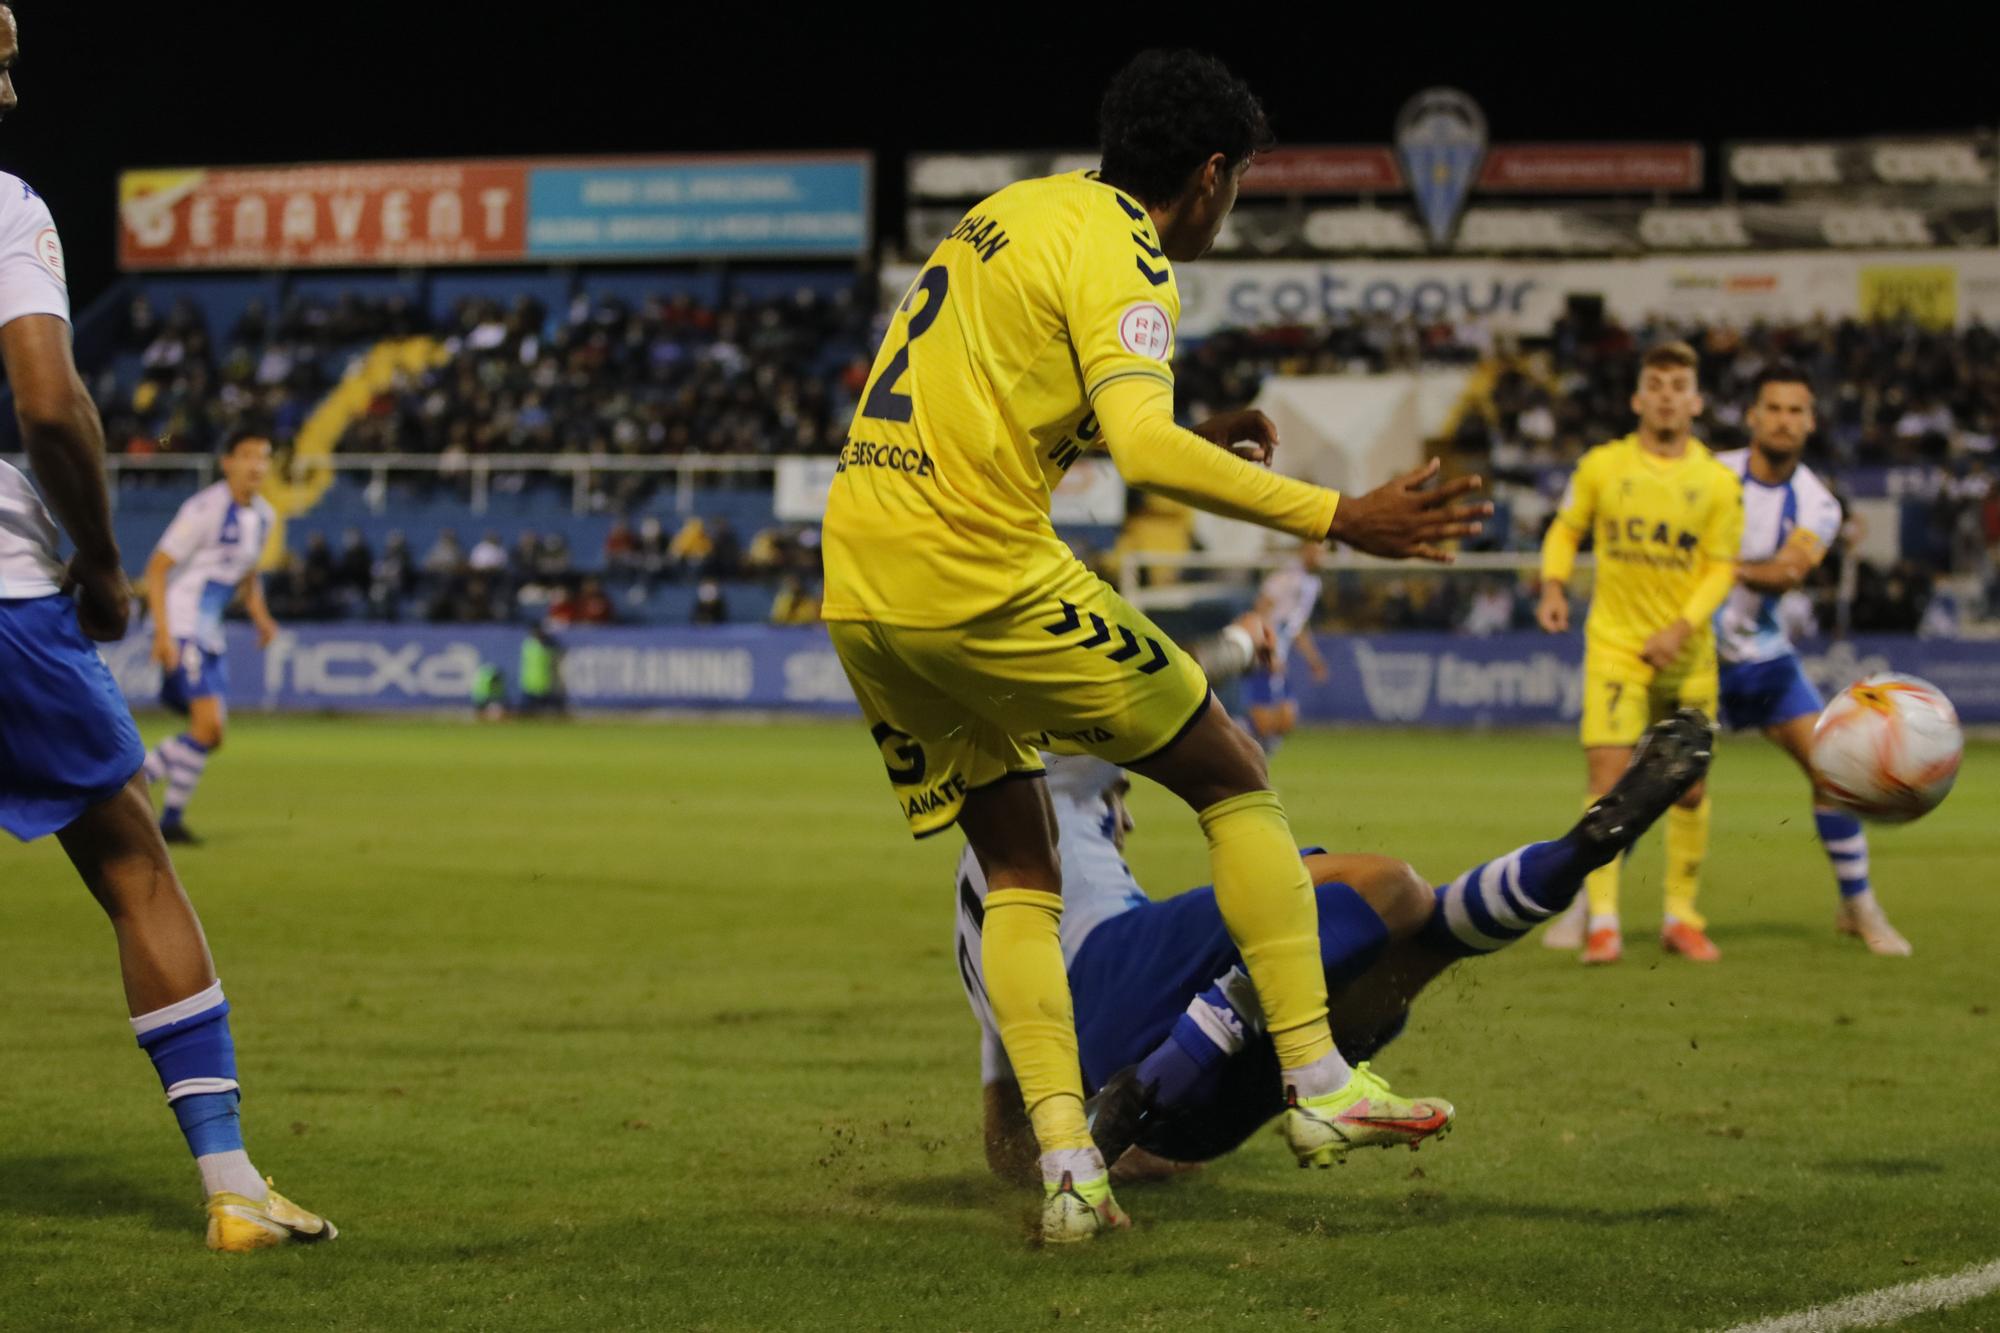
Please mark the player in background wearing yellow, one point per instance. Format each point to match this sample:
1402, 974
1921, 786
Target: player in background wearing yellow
1666, 520
1041, 327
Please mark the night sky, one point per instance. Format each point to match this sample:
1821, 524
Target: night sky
105, 86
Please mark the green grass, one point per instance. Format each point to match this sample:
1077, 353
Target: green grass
656, 1027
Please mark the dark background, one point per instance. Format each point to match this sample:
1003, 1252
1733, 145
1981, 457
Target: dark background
110, 85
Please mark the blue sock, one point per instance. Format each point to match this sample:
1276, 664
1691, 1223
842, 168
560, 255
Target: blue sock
191, 1050
1202, 1038
1492, 905
1847, 847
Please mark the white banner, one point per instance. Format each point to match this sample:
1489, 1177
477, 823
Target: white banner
1940, 287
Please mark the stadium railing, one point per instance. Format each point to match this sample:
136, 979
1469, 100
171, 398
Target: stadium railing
476, 471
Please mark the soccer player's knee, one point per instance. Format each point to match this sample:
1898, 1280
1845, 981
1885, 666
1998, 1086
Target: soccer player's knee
1693, 796
1400, 896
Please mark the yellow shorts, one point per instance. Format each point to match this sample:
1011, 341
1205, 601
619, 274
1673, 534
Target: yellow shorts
1073, 669
1622, 696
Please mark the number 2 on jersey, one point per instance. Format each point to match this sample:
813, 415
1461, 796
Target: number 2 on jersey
883, 402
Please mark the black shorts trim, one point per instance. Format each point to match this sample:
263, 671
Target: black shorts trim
1012, 776
1200, 711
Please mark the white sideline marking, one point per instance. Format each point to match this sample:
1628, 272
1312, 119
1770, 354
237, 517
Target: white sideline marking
1873, 1309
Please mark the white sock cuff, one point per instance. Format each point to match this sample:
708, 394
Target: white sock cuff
1218, 1026
178, 1010
1082, 1163
200, 1087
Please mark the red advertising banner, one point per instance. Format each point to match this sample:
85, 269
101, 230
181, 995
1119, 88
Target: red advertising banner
1361, 169
331, 215
1592, 168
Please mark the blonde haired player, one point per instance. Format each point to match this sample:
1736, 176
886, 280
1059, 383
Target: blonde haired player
1666, 520
1042, 326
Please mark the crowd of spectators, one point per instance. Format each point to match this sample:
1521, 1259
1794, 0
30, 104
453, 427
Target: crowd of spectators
664, 376
538, 578
671, 376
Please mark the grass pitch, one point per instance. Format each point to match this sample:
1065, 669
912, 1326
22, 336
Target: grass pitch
656, 1027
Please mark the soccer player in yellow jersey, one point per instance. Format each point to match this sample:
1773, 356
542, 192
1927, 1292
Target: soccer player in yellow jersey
1666, 520
1042, 327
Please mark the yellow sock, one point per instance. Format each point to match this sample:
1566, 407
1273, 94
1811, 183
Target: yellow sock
1601, 884
1266, 900
1601, 887
1687, 848
1021, 950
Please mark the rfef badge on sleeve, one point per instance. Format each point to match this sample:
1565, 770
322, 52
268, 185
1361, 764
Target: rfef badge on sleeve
1441, 137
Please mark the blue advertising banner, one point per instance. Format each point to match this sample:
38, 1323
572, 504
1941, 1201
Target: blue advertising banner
1533, 679
1426, 680
371, 668
781, 207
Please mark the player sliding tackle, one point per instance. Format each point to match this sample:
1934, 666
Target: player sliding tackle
1161, 998
69, 754
1041, 327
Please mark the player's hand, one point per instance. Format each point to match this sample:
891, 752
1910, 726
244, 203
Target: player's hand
1665, 646
1405, 520
1263, 639
267, 630
1249, 434
1552, 612
1138, 1164
1320, 674
103, 599
165, 653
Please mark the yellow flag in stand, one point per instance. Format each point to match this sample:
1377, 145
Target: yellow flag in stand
295, 488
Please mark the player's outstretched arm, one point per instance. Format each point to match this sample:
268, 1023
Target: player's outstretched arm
1408, 518
1401, 519
65, 443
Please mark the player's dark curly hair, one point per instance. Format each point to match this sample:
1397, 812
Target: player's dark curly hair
240, 434
1166, 113
1779, 372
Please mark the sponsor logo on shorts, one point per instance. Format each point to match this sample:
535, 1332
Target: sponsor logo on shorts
941, 797
901, 754
1083, 736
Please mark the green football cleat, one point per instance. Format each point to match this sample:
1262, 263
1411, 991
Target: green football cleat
1364, 1114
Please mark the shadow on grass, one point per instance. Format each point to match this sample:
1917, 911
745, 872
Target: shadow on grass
83, 1187
1199, 1201
961, 1189
1773, 930
1880, 1168
1332, 1215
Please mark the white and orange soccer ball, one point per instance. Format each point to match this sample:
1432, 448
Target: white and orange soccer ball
1887, 748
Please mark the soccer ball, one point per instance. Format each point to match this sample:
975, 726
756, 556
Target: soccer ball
1887, 748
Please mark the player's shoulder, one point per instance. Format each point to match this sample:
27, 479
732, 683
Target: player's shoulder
1609, 455
1718, 471
1736, 460
1811, 488
210, 499
21, 204
264, 509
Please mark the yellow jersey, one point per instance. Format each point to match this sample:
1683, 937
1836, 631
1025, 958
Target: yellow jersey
979, 401
1659, 525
